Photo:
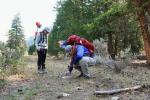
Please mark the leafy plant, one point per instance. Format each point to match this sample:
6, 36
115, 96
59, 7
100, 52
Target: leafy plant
32, 49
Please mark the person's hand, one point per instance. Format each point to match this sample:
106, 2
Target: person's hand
68, 73
38, 48
70, 68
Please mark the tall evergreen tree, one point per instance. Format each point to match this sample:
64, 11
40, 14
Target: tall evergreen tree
16, 37
123, 23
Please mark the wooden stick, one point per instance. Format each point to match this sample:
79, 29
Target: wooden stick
110, 92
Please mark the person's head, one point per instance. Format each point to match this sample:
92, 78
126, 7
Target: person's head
38, 24
62, 44
68, 48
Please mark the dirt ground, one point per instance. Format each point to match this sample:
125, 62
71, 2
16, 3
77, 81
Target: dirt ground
51, 86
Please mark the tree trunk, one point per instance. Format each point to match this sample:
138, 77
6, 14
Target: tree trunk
146, 36
144, 28
148, 7
110, 46
115, 45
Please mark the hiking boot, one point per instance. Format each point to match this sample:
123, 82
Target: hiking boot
44, 71
40, 71
80, 75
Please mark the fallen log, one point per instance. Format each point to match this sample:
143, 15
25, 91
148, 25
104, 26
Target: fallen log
110, 92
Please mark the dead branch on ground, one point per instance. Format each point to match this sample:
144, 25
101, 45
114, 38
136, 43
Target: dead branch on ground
110, 92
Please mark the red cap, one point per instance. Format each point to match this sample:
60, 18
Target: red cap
38, 24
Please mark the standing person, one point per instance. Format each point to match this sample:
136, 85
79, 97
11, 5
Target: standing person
41, 43
80, 60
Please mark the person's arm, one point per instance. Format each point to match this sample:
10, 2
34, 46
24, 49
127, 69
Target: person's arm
64, 44
47, 40
79, 54
37, 41
76, 57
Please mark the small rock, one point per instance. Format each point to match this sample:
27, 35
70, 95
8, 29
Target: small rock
65, 94
115, 98
20, 91
79, 88
48, 83
4, 93
66, 77
61, 95
91, 82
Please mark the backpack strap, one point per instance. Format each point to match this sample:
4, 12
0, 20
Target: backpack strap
43, 38
40, 38
73, 52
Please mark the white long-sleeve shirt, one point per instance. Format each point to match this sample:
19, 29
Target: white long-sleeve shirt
41, 40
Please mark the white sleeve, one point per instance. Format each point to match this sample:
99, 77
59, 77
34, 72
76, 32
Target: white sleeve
37, 40
47, 40
37, 37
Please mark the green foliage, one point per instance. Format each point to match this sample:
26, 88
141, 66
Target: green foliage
12, 52
11, 59
2, 49
111, 14
16, 36
53, 46
2, 82
32, 49
16, 39
97, 18
2, 60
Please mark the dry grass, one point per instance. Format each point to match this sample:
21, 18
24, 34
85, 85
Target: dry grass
49, 86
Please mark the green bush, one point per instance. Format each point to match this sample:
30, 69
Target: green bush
32, 49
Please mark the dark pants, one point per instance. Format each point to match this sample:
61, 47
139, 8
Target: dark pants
41, 58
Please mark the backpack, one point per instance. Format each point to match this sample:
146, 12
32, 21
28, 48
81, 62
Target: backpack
74, 39
43, 37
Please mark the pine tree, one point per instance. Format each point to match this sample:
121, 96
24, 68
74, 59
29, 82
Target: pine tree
16, 37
